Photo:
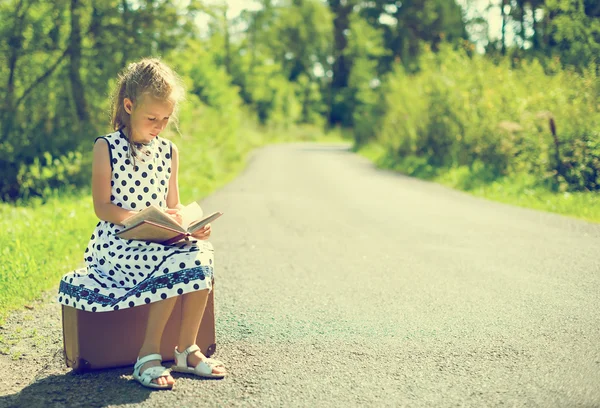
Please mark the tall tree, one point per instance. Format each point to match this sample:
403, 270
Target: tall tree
410, 23
65, 53
574, 30
342, 9
77, 89
292, 38
504, 12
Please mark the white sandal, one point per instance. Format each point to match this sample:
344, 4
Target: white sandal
203, 369
151, 373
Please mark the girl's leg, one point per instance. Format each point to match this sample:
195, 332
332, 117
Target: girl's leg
193, 305
157, 320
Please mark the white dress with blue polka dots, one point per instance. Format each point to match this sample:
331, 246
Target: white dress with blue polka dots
121, 273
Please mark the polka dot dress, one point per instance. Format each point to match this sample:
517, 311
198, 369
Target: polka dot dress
121, 273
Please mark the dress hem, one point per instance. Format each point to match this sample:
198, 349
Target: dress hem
153, 289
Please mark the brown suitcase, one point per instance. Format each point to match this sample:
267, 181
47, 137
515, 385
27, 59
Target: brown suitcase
113, 339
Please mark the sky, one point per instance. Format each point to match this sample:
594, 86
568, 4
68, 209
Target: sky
236, 6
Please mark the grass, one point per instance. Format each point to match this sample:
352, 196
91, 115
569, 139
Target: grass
42, 241
38, 242
516, 191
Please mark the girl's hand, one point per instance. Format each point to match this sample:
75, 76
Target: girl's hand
203, 233
174, 213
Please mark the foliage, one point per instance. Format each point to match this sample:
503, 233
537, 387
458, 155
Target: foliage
47, 174
496, 121
409, 24
60, 56
295, 62
566, 29
575, 30
283, 60
363, 94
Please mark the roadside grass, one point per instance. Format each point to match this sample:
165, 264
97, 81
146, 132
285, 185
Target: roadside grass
516, 191
40, 241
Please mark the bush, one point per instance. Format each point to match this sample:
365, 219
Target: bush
46, 174
467, 111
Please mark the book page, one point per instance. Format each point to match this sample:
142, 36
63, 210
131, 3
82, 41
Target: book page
149, 231
201, 223
153, 214
190, 213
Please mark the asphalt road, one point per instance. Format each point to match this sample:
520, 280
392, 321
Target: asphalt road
342, 285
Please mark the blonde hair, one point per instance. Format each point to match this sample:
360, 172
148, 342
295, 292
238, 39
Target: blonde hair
149, 76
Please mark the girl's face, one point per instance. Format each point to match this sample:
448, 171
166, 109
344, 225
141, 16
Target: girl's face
149, 116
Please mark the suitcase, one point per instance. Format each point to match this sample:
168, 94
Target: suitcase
113, 339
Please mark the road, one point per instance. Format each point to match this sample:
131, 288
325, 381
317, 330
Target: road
342, 285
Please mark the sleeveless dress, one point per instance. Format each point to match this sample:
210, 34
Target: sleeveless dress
120, 273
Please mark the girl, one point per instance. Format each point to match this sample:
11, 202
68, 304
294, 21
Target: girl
132, 169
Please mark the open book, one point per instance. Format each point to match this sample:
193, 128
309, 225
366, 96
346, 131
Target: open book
154, 225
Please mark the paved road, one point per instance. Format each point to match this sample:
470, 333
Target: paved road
341, 285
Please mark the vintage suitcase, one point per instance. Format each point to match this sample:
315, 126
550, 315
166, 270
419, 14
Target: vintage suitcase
113, 339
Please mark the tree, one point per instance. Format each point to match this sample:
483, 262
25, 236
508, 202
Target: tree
61, 57
342, 10
291, 39
74, 50
412, 23
363, 97
574, 30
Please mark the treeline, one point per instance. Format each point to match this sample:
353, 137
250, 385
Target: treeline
408, 75
526, 110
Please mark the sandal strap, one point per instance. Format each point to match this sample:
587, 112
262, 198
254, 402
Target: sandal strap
181, 357
191, 349
204, 368
150, 357
153, 373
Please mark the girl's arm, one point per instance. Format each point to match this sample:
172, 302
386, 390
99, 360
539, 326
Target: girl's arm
173, 193
101, 188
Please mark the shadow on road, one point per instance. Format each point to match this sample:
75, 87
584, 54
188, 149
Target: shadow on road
94, 389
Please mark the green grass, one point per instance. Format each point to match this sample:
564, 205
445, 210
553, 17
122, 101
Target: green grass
515, 191
40, 242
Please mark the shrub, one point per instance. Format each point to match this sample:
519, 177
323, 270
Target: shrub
467, 111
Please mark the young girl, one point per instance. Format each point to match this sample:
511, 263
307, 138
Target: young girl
134, 168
